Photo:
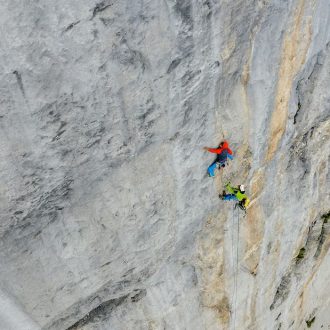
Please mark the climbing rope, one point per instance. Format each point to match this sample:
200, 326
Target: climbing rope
233, 262
232, 241
234, 298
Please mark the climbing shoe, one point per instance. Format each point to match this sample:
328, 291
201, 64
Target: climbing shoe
223, 195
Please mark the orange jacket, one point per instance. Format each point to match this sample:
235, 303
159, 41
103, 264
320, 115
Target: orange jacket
219, 150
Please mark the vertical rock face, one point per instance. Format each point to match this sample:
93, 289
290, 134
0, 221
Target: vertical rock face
108, 220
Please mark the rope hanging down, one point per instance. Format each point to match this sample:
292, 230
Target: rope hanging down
234, 298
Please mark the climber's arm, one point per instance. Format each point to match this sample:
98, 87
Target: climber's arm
213, 150
231, 189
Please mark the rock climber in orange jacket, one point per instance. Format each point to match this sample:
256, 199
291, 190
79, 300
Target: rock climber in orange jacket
223, 152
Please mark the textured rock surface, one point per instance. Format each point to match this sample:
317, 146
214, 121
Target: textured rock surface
108, 220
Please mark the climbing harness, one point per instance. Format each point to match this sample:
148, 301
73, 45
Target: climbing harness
241, 207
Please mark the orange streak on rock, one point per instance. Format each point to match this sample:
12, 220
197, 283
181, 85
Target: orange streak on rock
294, 51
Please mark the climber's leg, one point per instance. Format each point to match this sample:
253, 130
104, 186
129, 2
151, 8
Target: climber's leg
229, 197
211, 169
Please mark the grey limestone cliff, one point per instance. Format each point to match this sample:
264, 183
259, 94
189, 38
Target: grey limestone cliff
108, 219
